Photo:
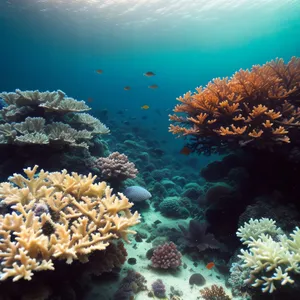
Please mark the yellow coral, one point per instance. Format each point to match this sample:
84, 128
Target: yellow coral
58, 216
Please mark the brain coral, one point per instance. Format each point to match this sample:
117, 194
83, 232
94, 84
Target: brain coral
254, 108
57, 216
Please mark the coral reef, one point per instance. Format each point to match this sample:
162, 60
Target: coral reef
172, 207
44, 118
131, 284
67, 281
166, 256
214, 293
237, 281
116, 167
254, 108
57, 216
271, 259
158, 289
48, 129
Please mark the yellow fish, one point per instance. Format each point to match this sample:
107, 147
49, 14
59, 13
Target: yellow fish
145, 107
99, 71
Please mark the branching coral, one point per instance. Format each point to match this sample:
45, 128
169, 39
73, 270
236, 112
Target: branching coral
214, 293
257, 107
269, 258
57, 216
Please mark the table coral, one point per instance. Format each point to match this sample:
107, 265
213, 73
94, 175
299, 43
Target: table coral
58, 216
54, 112
257, 107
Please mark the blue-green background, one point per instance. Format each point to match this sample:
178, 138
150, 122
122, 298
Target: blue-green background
54, 50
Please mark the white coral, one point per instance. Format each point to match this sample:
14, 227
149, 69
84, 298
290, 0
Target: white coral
269, 260
256, 227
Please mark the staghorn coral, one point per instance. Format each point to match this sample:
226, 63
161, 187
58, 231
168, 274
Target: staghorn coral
257, 107
272, 256
58, 216
67, 281
214, 293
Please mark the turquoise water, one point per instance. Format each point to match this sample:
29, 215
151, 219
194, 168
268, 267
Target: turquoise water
60, 44
50, 45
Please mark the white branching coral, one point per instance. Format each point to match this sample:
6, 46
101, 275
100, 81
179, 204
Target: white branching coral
255, 227
271, 255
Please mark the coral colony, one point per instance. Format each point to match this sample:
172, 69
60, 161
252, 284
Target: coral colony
234, 221
256, 108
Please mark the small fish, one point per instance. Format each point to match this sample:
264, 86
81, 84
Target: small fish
149, 74
90, 100
127, 88
144, 117
210, 265
185, 151
99, 71
153, 86
145, 107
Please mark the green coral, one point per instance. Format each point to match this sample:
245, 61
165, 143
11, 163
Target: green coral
272, 256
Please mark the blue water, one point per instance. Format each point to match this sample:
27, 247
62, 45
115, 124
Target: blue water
53, 44
48, 48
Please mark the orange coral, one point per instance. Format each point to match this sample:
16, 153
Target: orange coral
257, 107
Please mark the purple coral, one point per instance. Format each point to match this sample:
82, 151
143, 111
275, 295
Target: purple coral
159, 289
166, 256
116, 167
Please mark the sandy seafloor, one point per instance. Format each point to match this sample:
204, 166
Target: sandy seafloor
179, 279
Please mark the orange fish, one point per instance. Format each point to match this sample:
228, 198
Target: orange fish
185, 151
127, 88
149, 74
145, 107
153, 86
90, 100
99, 71
210, 265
